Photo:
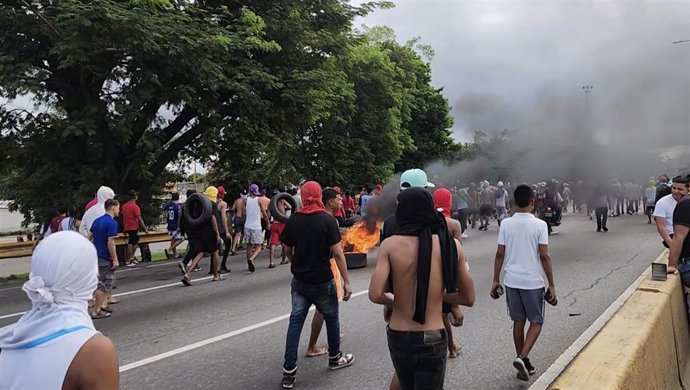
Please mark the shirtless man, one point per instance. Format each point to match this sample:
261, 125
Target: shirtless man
240, 214
422, 256
486, 196
226, 237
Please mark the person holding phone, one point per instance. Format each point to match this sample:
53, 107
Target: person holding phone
523, 253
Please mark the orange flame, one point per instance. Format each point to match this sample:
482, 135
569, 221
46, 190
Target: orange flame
360, 238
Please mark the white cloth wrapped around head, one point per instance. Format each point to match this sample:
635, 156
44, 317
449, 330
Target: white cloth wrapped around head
64, 272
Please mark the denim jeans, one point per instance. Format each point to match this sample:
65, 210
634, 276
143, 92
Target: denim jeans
419, 358
324, 297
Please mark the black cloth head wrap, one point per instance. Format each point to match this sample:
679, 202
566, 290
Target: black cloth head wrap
416, 216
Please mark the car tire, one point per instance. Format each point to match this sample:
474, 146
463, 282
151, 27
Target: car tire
197, 209
273, 206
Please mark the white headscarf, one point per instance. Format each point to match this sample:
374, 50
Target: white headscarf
96, 211
63, 278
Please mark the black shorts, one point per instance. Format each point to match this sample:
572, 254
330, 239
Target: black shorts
238, 225
486, 211
133, 237
206, 243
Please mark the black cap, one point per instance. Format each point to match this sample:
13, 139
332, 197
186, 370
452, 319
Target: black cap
133, 193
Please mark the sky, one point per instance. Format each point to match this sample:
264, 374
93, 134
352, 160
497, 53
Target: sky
522, 64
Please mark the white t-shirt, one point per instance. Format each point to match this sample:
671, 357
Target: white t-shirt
522, 234
664, 209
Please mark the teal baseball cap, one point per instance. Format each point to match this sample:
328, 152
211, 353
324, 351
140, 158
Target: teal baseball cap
414, 178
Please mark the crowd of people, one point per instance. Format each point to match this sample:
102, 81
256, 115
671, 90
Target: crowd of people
422, 274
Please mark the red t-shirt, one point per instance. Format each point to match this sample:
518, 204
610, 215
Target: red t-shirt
130, 215
91, 203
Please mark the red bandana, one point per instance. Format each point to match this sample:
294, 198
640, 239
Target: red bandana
311, 198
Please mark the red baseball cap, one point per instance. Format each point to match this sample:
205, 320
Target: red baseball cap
337, 189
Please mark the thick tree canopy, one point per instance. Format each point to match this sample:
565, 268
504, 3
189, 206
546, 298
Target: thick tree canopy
272, 91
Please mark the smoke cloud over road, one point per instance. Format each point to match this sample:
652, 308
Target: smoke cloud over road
521, 66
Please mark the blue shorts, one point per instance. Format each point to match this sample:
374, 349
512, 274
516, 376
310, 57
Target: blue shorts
526, 305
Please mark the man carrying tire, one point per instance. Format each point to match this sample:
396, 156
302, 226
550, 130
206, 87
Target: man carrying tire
199, 218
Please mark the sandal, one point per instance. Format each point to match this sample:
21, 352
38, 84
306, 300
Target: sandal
107, 309
271, 266
186, 281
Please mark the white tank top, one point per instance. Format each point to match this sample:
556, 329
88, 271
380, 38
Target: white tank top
44, 366
253, 214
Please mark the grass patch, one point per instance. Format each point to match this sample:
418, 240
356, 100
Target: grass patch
15, 277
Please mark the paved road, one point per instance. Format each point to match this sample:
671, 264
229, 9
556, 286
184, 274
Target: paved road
247, 312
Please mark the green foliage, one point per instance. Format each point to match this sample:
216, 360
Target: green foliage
273, 92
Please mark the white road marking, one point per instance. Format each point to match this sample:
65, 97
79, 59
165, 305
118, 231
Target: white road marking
126, 293
12, 315
212, 340
550, 375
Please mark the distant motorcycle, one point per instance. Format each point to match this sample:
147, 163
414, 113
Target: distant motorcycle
548, 215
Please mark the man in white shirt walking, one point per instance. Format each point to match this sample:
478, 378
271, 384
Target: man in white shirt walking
663, 210
523, 248
252, 226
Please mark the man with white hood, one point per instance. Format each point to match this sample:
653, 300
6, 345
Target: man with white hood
55, 345
96, 211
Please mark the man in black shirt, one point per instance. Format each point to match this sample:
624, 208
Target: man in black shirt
311, 237
679, 256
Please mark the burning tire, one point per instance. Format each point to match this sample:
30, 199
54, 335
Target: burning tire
273, 206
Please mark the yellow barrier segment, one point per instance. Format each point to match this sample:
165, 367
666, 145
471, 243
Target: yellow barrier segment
645, 345
23, 249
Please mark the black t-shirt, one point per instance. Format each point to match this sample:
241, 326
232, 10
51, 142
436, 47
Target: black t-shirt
204, 229
681, 216
311, 236
661, 191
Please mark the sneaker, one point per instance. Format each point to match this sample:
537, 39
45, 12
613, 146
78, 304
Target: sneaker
131, 264
196, 269
464, 235
289, 381
519, 365
345, 360
605, 229
530, 368
182, 268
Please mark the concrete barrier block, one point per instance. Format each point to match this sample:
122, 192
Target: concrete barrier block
635, 350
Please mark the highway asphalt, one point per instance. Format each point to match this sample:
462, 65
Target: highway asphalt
231, 334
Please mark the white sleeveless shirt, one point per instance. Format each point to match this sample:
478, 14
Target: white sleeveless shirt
43, 366
253, 214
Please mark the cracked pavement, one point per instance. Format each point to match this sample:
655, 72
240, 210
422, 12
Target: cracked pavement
591, 270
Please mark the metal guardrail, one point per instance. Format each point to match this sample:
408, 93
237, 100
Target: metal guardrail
23, 249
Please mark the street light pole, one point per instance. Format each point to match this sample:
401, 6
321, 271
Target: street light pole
587, 90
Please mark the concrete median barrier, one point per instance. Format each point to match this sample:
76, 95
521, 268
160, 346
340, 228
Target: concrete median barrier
645, 345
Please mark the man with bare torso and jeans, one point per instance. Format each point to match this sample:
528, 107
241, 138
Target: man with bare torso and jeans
426, 267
